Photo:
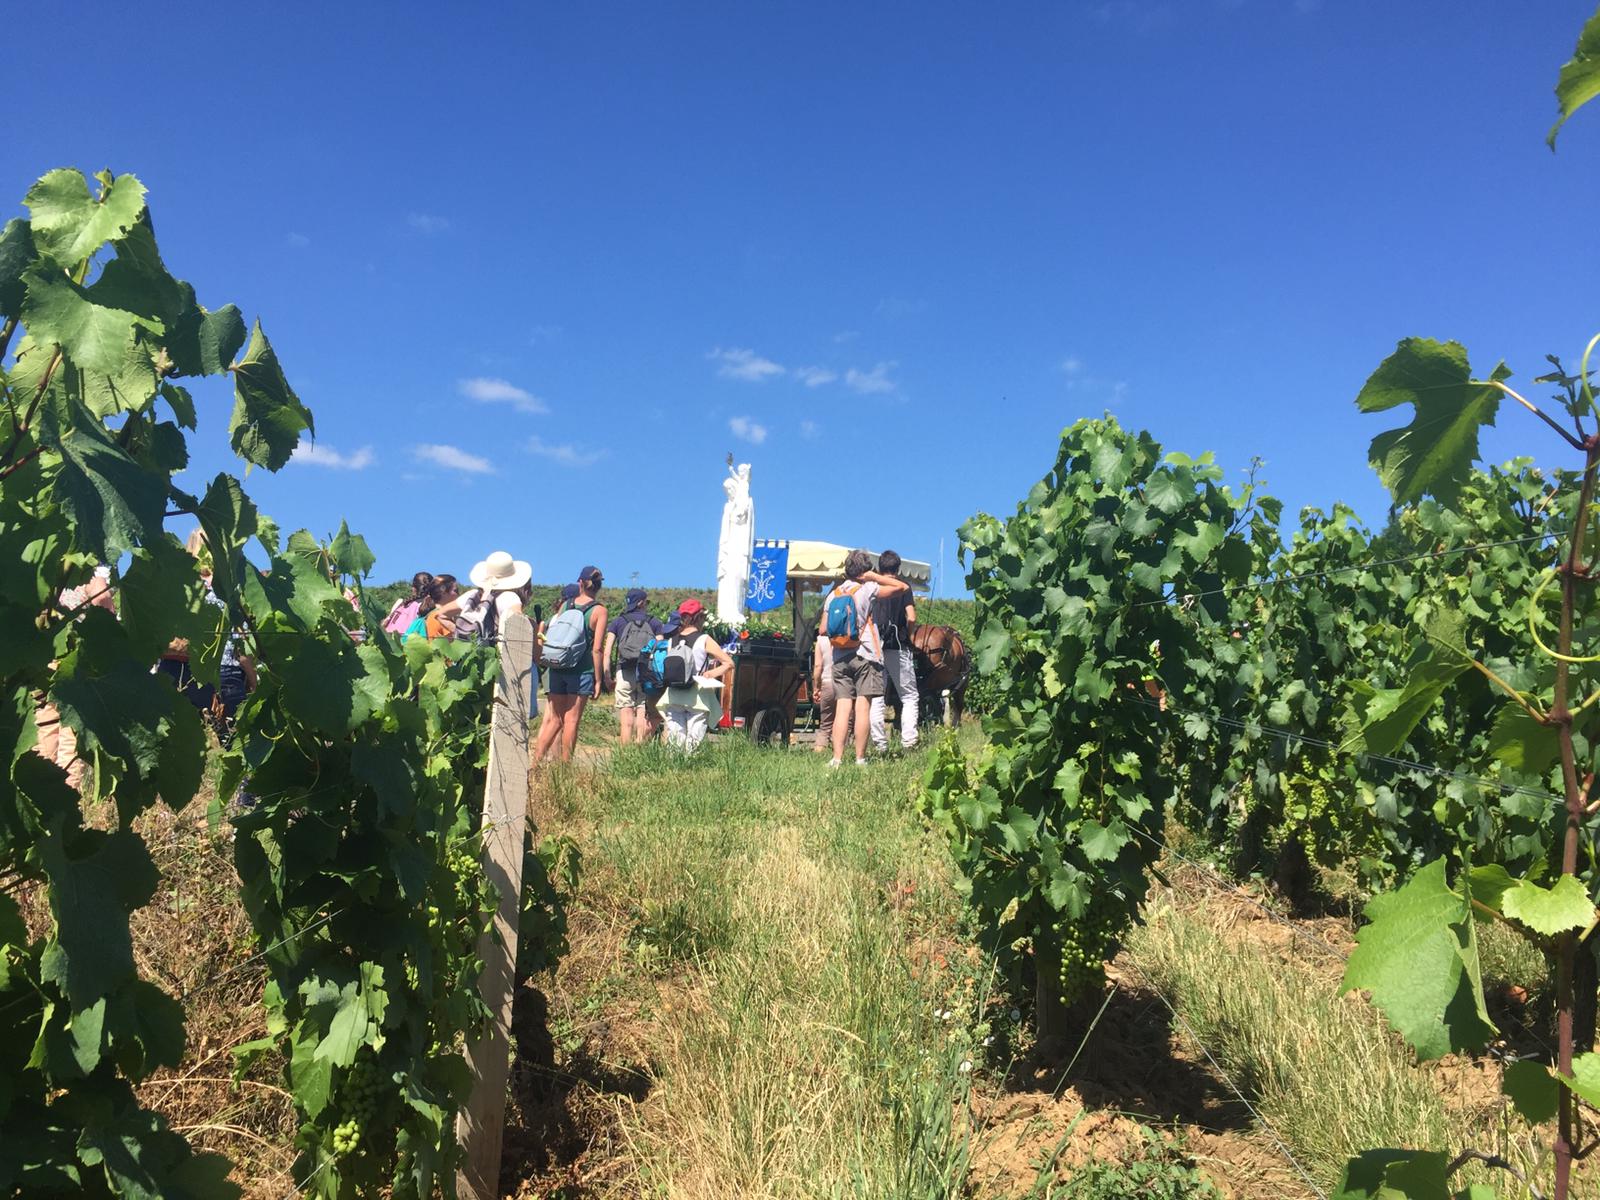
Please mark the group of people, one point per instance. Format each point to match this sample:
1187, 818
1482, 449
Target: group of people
580, 651
863, 644
664, 675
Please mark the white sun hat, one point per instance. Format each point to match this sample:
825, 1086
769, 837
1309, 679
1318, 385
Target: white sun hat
501, 573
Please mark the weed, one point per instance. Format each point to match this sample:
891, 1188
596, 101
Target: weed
1159, 1171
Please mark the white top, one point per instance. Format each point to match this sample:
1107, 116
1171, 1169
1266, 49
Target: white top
703, 696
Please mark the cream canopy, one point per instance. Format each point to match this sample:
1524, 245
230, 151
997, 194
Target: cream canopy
823, 562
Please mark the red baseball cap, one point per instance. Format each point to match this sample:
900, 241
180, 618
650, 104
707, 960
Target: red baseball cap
691, 607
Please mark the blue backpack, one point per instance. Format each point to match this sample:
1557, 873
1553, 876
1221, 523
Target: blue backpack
844, 622
653, 666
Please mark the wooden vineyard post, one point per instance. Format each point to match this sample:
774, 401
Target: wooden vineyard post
481, 1123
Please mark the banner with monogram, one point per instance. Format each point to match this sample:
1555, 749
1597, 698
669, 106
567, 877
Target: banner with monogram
769, 576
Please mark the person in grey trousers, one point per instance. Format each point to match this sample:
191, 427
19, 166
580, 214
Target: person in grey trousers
896, 616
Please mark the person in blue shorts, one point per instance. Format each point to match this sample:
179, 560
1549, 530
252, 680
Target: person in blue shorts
570, 688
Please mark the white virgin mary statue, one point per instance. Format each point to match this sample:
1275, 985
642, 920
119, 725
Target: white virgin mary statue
738, 540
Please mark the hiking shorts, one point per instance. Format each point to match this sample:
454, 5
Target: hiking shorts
629, 694
858, 677
571, 683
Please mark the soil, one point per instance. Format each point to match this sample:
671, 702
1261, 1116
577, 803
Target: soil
1133, 1071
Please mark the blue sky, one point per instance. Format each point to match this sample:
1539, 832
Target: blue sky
538, 267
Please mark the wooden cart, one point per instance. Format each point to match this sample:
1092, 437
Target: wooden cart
771, 690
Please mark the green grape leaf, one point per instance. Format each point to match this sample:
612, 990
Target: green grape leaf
127, 389
69, 224
205, 1177
1164, 492
94, 336
1434, 454
112, 502
331, 686
159, 598
1102, 843
1018, 829
994, 643
181, 765
153, 1020
103, 877
350, 553
111, 699
1395, 1175
353, 1017
1532, 1090
1585, 1078
181, 403
1520, 743
1565, 906
16, 256
1489, 884
267, 416
1579, 81
204, 342
1419, 959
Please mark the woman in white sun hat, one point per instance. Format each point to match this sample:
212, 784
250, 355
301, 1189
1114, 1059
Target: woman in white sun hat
501, 586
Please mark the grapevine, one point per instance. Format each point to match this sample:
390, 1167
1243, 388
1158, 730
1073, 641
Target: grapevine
1075, 626
357, 763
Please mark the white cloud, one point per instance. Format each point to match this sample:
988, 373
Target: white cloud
501, 391
453, 458
544, 333
815, 376
744, 365
747, 430
1071, 366
427, 223
565, 453
314, 454
298, 240
875, 382
810, 430
847, 335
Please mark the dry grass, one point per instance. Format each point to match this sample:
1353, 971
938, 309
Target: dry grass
1324, 1070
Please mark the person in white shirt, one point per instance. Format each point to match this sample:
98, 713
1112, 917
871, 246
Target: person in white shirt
686, 709
858, 661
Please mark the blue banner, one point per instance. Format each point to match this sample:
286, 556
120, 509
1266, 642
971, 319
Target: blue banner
769, 576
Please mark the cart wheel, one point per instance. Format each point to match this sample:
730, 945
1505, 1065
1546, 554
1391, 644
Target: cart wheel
769, 725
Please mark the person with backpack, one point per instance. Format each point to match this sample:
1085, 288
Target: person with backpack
896, 618
626, 637
857, 649
501, 586
574, 641
681, 662
408, 608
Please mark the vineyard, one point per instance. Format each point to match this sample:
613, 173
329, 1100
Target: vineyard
1268, 867
352, 781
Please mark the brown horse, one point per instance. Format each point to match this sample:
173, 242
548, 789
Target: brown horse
942, 664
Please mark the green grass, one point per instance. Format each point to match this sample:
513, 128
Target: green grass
762, 911
1322, 1069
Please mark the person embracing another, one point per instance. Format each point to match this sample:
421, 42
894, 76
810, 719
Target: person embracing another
895, 616
574, 643
857, 649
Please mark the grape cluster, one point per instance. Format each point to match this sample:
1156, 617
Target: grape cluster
363, 1087
1085, 943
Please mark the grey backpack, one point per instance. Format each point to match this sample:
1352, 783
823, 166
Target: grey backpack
566, 641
